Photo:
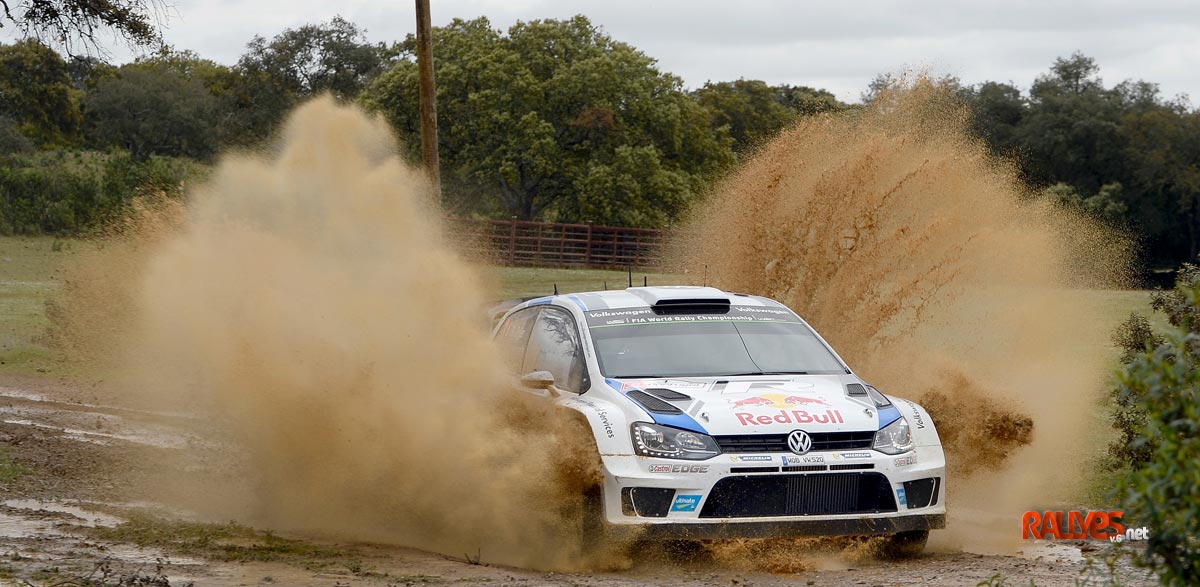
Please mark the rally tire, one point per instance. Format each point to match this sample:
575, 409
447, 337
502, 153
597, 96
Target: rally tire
592, 522
904, 544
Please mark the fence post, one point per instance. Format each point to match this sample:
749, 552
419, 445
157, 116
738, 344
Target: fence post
512, 241
587, 257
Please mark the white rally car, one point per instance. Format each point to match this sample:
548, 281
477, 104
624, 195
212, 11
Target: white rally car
722, 415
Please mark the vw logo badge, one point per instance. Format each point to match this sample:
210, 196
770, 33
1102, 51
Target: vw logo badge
799, 442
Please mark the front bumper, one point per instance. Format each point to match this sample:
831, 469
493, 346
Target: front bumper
848, 492
724, 530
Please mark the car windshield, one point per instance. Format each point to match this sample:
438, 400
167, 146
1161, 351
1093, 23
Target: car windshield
742, 341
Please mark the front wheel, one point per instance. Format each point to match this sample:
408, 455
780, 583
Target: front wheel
904, 544
592, 524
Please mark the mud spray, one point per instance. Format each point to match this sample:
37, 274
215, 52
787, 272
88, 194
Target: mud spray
308, 300
939, 278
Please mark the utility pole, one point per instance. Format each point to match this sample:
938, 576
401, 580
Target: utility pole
428, 96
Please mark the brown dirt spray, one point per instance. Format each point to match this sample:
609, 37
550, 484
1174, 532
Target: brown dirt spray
309, 300
935, 274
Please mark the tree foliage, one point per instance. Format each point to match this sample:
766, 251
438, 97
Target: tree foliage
273, 76
151, 108
556, 120
36, 93
1136, 153
755, 112
67, 22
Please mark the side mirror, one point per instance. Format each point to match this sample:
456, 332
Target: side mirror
538, 380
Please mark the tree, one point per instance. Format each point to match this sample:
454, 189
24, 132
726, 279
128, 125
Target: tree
85, 70
755, 112
11, 139
36, 92
556, 120
66, 21
998, 110
805, 100
151, 109
1071, 130
272, 76
1162, 148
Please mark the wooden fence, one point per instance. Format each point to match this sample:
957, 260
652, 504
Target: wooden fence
542, 244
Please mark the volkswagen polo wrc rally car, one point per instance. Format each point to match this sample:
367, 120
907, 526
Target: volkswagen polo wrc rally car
722, 415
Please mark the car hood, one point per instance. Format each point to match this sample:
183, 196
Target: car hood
756, 405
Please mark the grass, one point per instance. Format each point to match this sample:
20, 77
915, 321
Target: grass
228, 542
31, 271
10, 471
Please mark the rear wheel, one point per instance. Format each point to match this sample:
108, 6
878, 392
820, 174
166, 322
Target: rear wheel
904, 544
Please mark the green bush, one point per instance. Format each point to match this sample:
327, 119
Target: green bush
68, 193
1135, 337
1161, 492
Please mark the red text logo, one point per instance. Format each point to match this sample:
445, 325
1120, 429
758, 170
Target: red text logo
791, 417
1072, 525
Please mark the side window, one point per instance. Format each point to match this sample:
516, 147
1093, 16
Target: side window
554, 347
512, 336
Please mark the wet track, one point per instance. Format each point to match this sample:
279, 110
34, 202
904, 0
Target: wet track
90, 464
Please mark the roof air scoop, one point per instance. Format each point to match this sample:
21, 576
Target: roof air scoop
683, 299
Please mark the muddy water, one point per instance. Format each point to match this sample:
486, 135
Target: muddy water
934, 273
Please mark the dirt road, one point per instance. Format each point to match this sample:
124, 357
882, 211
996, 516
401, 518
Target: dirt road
76, 466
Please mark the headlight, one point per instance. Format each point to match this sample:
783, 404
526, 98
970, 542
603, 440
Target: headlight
652, 440
894, 438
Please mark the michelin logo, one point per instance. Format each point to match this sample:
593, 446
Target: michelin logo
685, 503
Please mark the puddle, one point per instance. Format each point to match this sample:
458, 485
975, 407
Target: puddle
100, 428
145, 438
85, 517
12, 393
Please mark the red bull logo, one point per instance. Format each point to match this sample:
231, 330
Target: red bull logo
790, 417
778, 401
786, 405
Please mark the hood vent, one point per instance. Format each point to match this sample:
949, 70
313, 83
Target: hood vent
856, 390
652, 403
668, 394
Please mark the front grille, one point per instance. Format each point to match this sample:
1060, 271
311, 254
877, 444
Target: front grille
799, 495
778, 442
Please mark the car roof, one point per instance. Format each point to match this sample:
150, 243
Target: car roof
645, 297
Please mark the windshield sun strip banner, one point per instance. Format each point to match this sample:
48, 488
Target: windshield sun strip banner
698, 319
639, 316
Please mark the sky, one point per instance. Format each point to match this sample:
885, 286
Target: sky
838, 46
